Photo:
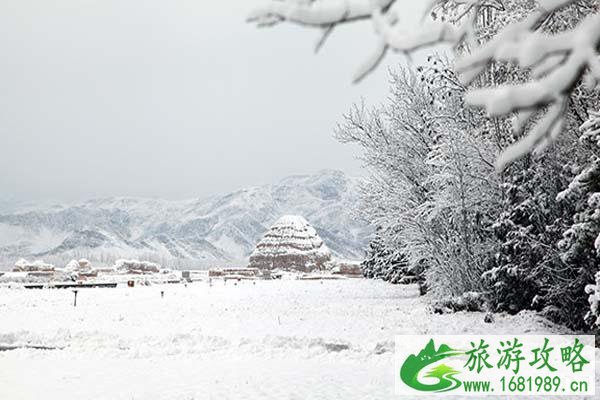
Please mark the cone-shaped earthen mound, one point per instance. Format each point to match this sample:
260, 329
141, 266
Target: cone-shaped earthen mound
291, 244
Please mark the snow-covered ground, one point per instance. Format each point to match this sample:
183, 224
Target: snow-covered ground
262, 340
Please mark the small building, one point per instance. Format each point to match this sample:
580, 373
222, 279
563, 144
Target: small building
215, 272
41, 274
228, 272
137, 267
350, 269
37, 266
186, 276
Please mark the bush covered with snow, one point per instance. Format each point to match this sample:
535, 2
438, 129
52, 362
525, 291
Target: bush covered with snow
78, 265
385, 261
469, 301
593, 291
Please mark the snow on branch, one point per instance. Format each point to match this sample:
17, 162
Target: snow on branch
315, 13
556, 61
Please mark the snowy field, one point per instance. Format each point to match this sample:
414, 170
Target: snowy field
268, 340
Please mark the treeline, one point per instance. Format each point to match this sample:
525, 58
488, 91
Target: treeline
523, 238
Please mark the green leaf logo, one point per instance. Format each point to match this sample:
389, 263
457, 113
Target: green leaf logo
413, 365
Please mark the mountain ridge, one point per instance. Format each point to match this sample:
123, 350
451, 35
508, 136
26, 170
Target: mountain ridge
212, 230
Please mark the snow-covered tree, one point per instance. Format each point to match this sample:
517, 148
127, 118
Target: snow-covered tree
528, 230
556, 50
396, 140
465, 199
385, 261
433, 186
580, 245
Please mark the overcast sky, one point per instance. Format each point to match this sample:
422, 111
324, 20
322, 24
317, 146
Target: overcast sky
169, 98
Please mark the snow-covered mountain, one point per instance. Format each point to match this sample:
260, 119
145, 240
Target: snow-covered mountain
215, 230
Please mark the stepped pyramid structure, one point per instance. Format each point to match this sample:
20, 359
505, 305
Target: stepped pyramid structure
291, 244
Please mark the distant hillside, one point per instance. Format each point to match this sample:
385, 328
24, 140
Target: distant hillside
216, 230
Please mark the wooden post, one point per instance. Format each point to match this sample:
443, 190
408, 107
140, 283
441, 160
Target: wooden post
75, 299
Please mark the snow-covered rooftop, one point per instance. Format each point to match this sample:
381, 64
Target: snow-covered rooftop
290, 242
